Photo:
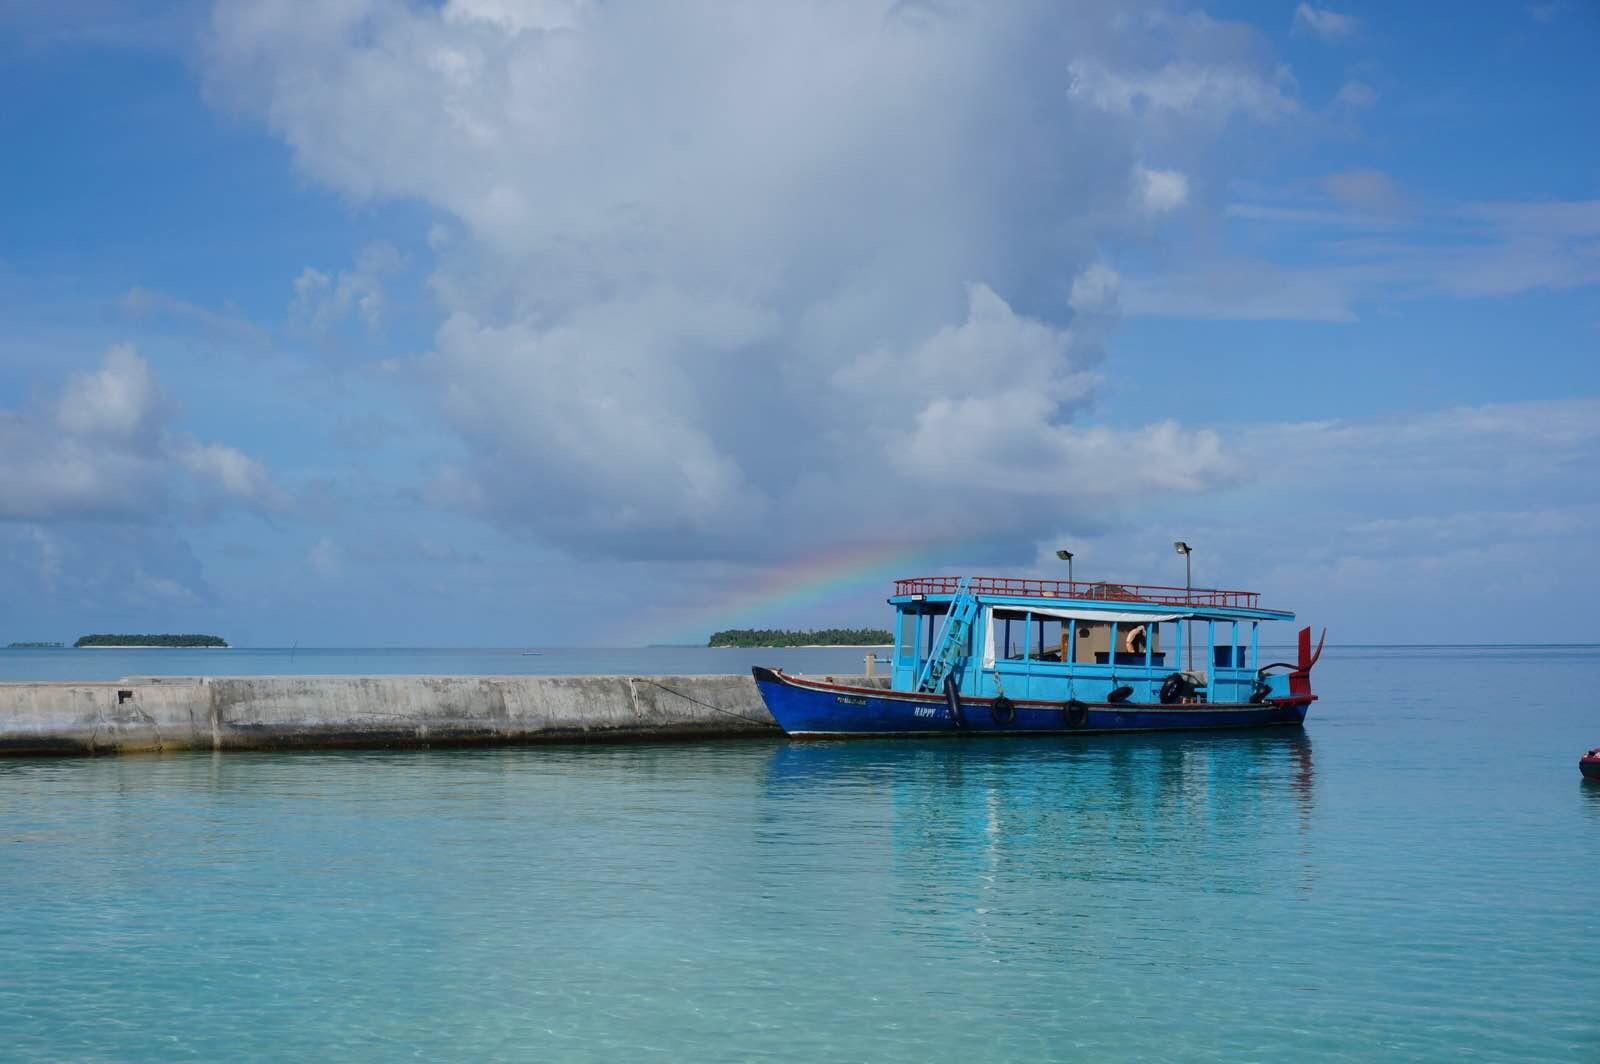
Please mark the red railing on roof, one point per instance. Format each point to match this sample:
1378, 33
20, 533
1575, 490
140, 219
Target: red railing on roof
1025, 587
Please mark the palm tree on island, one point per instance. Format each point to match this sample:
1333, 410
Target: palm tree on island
783, 637
186, 640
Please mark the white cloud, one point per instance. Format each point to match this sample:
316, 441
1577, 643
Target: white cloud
517, 16
1507, 248
1573, 218
1094, 291
131, 575
321, 301
1420, 527
1369, 190
1008, 446
1183, 90
228, 324
677, 318
985, 411
601, 411
1402, 510
1356, 95
1406, 252
995, 352
1329, 25
48, 474
106, 448
1240, 289
1481, 452
232, 471
1160, 191
1322, 215
119, 400
163, 589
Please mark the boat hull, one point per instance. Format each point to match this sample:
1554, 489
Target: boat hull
1589, 765
816, 709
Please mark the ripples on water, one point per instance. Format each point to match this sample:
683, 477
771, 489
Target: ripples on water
1409, 877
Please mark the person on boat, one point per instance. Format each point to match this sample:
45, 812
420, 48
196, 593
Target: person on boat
1136, 639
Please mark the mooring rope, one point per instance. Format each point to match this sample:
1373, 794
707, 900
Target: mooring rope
708, 705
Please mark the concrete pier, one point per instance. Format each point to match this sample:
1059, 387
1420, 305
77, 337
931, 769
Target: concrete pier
286, 712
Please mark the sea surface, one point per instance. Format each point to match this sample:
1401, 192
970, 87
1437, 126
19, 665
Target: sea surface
1412, 876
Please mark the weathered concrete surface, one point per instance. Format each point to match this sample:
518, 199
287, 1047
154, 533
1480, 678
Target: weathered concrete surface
274, 712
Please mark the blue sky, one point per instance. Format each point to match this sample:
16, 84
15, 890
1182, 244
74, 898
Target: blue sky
487, 322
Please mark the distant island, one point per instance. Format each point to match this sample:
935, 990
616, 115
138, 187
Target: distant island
103, 640
34, 646
782, 637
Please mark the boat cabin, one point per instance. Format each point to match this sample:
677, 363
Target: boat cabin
1096, 642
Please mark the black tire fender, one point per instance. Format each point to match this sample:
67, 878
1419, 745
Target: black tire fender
1075, 714
1003, 710
952, 699
1175, 689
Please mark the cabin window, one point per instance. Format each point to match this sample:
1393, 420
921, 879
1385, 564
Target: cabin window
1049, 639
1125, 643
1233, 654
1159, 636
931, 623
1021, 635
906, 649
1012, 637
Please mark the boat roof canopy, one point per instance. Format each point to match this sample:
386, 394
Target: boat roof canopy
1107, 616
1100, 601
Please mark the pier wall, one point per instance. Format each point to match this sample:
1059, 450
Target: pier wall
278, 712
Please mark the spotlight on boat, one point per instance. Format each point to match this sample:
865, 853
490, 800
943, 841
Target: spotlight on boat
1066, 556
1188, 596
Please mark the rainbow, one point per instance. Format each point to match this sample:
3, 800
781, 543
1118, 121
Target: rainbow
771, 594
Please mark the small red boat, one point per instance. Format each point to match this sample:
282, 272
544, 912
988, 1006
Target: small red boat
1589, 764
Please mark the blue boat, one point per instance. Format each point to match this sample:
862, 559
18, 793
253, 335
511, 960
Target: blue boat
1012, 656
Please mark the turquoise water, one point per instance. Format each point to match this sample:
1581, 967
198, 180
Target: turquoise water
1411, 877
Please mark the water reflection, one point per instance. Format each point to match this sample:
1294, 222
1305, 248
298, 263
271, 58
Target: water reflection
1196, 812
1590, 790
1133, 766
